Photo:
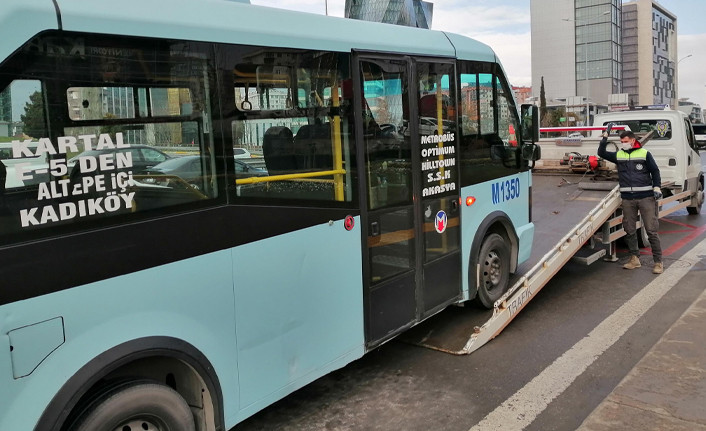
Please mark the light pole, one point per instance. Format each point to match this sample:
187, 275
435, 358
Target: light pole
676, 73
585, 21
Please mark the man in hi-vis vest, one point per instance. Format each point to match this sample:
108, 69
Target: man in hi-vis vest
640, 181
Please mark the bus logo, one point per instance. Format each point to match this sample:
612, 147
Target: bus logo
441, 221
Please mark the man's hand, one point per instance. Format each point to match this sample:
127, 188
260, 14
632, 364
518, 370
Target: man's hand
606, 132
658, 193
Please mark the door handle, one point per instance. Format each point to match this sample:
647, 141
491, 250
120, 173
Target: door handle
374, 229
454, 204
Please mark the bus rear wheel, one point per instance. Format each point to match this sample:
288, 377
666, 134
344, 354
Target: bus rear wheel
137, 406
494, 262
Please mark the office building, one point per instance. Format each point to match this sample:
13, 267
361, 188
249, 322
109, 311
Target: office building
649, 53
576, 47
412, 13
603, 48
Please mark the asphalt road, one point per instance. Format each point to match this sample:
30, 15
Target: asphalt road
401, 386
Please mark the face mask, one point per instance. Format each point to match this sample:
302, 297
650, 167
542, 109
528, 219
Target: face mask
625, 146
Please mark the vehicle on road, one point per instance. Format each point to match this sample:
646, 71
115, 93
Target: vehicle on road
142, 157
129, 304
241, 153
192, 168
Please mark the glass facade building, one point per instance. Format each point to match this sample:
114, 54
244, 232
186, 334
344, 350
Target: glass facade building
649, 53
412, 13
596, 48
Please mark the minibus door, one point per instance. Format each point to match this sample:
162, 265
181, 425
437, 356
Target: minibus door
410, 196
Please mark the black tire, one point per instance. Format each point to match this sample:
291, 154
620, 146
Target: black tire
700, 196
137, 406
494, 261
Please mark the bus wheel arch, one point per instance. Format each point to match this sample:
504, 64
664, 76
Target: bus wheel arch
498, 236
166, 361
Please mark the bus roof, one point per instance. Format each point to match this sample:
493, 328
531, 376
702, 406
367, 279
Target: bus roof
228, 22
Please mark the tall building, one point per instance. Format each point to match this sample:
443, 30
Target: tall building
649, 53
412, 13
602, 49
576, 47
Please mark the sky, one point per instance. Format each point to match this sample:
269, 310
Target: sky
505, 26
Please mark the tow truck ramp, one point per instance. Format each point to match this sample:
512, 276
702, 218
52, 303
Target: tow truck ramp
529, 284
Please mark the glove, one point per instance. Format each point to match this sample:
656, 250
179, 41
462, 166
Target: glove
606, 132
658, 193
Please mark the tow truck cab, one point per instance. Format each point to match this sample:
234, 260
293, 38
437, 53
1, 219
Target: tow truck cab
672, 144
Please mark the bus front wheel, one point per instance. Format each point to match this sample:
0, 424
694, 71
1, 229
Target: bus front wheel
494, 267
137, 406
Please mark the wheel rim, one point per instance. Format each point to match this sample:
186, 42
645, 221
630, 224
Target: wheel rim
141, 424
492, 270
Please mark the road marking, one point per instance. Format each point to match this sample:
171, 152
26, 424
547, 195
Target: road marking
526, 404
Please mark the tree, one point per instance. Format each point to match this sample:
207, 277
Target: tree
542, 103
33, 118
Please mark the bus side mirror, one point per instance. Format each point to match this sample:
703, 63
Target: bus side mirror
531, 152
530, 123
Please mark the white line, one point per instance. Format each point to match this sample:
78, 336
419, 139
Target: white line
526, 404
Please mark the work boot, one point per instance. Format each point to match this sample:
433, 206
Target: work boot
633, 263
658, 269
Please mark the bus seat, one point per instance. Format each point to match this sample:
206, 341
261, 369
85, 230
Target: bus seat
278, 150
312, 147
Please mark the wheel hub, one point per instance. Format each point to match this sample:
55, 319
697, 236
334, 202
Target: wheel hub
139, 424
492, 270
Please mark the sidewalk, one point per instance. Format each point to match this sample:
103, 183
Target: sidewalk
666, 390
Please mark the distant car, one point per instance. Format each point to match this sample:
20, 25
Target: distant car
576, 135
244, 170
241, 153
190, 169
144, 157
429, 126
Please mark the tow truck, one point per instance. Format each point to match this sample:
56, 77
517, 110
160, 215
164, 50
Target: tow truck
577, 214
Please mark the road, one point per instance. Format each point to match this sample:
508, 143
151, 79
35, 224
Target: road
525, 378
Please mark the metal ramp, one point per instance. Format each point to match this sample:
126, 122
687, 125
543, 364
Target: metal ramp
562, 210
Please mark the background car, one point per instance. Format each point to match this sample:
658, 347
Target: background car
241, 153
144, 157
191, 169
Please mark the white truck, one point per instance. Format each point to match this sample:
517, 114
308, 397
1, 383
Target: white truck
667, 134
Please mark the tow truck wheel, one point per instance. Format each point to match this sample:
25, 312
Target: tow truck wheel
699, 201
494, 263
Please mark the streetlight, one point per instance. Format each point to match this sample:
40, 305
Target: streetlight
585, 21
676, 72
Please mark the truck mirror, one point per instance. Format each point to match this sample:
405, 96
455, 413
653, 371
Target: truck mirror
530, 123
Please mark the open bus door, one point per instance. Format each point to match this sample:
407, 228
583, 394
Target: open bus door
410, 198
